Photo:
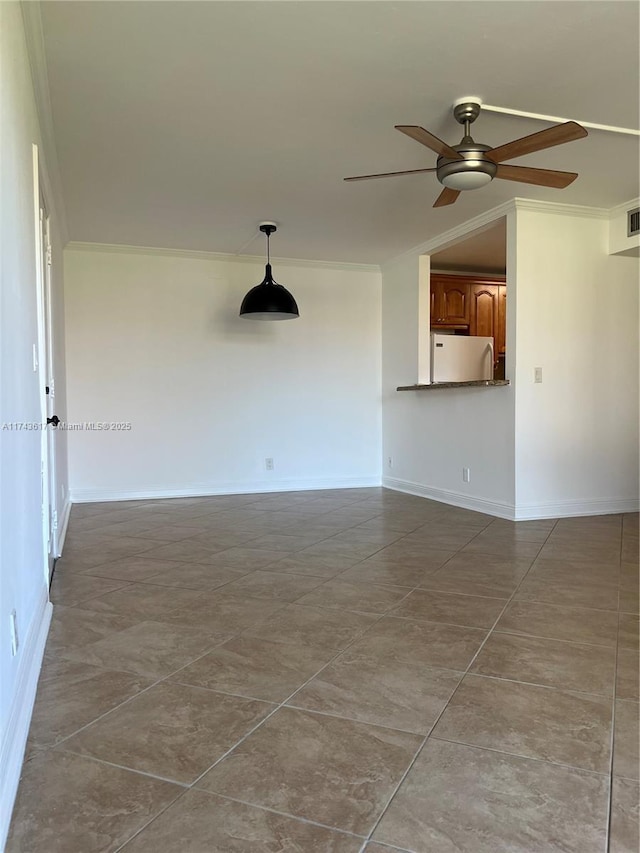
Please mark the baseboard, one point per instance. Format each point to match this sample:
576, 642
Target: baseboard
501, 510
15, 736
64, 524
228, 488
523, 512
570, 509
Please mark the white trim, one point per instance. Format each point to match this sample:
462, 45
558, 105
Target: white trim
228, 488
568, 509
112, 248
609, 128
620, 209
561, 209
15, 736
63, 525
32, 19
525, 512
458, 232
499, 509
486, 219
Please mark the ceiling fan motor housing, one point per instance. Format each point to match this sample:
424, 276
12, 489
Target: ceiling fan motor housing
473, 171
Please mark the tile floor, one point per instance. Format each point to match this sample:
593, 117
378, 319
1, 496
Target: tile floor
340, 672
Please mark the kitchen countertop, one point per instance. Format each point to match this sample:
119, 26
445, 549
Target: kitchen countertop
476, 383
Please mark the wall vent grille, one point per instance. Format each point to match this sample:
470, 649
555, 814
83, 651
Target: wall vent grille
633, 222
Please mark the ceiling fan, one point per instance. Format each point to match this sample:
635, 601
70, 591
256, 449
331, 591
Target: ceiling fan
470, 164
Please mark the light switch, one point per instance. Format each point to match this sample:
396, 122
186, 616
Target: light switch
537, 374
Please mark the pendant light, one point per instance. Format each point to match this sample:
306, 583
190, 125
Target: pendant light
269, 300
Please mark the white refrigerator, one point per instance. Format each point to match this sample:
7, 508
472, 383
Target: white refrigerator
460, 358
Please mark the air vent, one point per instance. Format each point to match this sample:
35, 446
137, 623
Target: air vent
633, 222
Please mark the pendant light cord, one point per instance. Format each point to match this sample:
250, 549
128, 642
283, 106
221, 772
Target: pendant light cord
268, 248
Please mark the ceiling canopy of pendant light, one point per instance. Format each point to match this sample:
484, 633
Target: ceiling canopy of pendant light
269, 300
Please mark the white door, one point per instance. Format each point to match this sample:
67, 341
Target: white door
48, 394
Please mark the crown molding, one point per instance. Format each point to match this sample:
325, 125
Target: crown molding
453, 234
621, 209
52, 181
561, 209
116, 248
487, 218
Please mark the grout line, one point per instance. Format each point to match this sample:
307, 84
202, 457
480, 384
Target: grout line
183, 785
613, 711
418, 753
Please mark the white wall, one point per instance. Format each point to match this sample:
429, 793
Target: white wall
577, 318
619, 242
432, 435
22, 571
155, 339
568, 446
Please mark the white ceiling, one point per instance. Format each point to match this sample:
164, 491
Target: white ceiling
485, 252
183, 124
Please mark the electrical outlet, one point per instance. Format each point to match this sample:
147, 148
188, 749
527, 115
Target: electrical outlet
537, 374
466, 475
13, 624
268, 463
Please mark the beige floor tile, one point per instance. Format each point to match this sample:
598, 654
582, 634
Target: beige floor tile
469, 610
564, 588
133, 569
445, 537
142, 601
480, 574
588, 550
630, 549
276, 586
73, 626
325, 567
70, 588
625, 817
69, 804
411, 554
223, 613
255, 667
314, 626
247, 557
72, 694
531, 721
153, 649
576, 624
627, 675
628, 633
458, 798
333, 771
521, 531
626, 757
288, 542
200, 821
429, 643
629, 597
186, 551
195, 576
365, 598
388, 692
502, 546
552, 663
394, 571
173, 731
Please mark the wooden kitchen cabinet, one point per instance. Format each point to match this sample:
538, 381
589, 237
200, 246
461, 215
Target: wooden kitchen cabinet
449, 301
470, 304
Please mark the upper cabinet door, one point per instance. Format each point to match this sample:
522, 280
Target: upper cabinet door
449, 302
501, 337
484, 310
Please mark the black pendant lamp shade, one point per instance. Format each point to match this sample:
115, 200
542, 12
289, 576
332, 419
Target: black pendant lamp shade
269, 300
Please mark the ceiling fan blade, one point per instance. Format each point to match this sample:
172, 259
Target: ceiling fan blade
388, 174
447, 196
423, 136
556, 135
541, 177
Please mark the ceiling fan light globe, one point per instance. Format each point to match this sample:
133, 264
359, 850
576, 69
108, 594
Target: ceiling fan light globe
466, 180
